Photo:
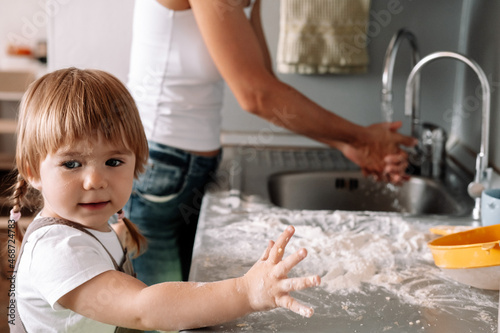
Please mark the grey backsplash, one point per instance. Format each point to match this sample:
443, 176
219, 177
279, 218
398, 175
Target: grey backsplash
448, 89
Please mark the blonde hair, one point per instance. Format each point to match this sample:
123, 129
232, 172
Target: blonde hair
70, 105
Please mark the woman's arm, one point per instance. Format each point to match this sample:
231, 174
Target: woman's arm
118, 299
256, 22
236, 50
238, 53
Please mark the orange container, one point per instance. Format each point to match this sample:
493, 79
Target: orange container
474, 248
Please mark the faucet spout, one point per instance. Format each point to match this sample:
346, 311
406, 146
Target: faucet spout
482, 172
388, 73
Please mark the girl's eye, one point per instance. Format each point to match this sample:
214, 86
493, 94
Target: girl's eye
113, 162
71, 164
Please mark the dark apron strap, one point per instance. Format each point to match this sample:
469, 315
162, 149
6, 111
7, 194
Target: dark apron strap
16, 325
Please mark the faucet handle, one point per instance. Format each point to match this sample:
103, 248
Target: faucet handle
481, 183
475, 189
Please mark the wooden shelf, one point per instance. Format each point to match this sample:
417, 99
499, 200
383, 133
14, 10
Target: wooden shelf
7, 161
8, 126
13, 84
12, 96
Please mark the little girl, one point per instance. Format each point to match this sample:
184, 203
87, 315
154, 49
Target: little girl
80, 144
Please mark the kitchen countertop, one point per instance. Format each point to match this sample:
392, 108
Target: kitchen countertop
377, 272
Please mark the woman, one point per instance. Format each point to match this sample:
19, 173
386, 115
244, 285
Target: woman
182, 51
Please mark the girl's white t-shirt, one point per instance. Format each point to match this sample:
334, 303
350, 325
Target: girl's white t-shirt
56, 260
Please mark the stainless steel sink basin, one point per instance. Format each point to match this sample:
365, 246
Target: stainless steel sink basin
350, 190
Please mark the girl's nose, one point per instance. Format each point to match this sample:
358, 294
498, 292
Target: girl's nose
94, 180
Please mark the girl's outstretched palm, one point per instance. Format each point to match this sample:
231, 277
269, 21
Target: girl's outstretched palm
268, 285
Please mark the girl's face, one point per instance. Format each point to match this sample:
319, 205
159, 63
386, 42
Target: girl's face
86, 182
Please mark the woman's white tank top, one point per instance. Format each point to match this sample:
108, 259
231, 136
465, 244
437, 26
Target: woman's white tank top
173, 79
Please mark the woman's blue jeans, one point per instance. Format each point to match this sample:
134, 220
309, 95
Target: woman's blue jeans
165, 205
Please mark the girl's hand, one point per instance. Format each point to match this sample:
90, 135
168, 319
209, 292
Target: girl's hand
267, 284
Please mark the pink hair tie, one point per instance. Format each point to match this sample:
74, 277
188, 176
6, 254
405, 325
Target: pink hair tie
15, 216
121, 214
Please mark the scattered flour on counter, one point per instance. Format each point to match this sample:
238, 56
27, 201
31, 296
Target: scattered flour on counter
369, 252
352, 252
347, 249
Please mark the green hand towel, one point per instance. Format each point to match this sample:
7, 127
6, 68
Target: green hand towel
323, 36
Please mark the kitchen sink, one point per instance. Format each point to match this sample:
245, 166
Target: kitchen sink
351, 191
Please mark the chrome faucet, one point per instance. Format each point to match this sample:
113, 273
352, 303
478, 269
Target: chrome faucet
483, 173
388, 73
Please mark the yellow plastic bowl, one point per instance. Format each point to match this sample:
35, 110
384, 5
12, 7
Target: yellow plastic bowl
474, 248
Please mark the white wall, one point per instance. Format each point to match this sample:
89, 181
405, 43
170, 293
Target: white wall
22, 22
92, 34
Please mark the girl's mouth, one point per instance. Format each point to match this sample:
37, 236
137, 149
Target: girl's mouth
94, 205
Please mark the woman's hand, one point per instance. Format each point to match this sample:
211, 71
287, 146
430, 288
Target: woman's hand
380, 154
267, 283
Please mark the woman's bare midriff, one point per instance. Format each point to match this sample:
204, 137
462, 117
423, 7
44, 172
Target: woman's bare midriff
211, 153
184, 4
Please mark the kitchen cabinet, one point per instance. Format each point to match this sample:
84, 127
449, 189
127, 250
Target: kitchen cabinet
13, 84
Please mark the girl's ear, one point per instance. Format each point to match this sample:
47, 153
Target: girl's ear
34, 182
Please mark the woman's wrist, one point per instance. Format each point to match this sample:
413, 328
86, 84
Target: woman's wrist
357, 138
